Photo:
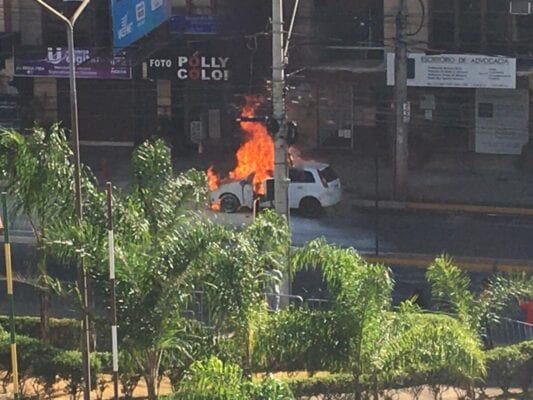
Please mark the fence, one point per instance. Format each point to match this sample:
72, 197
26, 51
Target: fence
509, 331
199, 309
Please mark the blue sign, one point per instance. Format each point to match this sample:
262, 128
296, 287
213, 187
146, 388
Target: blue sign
133, 19
194, 24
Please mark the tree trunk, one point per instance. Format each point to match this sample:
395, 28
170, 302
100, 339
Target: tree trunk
151, 386
151, 372
44, 296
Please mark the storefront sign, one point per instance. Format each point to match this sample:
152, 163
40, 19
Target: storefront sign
194, 24
194, 68
9, 111
133, 19
502, 121
89, 64
457, 70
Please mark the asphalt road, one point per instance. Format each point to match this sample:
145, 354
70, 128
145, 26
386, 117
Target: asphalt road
398, 232
467, 235
427, 233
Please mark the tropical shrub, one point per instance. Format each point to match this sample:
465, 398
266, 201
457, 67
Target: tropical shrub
46, 364
165, 253
301, 340
430, 349
213, 379
317, 385
508, 365
451, 291
64, 332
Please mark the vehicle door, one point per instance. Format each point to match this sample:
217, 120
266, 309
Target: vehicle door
301, 185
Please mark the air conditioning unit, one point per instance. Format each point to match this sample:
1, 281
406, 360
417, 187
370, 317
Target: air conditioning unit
520, 7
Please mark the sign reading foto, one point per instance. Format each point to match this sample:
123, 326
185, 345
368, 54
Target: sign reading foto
457, 71
194, 68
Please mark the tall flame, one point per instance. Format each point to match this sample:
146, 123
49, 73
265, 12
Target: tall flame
255, 157
212, 179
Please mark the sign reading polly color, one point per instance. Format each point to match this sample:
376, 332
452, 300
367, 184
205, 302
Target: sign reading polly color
133, 19
194, 68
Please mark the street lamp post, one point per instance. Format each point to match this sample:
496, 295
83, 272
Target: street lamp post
82, 273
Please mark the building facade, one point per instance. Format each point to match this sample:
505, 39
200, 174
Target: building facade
337, 87
123, 98
343, 100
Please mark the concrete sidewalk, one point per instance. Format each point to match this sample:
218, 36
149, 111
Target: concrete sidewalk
454, 183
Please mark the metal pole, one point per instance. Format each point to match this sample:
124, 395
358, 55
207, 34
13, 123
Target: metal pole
291, 27
376, 199
10, 300
82, 273
111, 249
401, 106
281, 181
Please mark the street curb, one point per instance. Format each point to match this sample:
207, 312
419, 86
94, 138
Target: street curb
442, 207
478, 264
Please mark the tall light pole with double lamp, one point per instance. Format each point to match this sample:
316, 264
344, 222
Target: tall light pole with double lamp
82, 273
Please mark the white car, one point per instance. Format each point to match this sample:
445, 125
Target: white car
312, 187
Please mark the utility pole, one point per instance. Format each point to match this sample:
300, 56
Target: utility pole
401, 105
82, 273
10, 300
111, 251
281, 180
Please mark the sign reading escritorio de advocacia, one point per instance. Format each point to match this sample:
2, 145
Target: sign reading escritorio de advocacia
457, 71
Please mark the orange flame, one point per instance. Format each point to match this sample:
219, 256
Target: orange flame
215, 206
255, 156
213, 182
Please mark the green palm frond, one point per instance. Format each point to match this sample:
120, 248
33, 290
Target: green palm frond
451, 291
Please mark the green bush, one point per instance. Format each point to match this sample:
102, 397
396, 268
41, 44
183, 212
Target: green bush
271, 389
213, 379
299, 339
508, 365
47, 363
330, 384
34, 361
64, 332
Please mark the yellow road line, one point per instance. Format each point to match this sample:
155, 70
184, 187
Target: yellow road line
470, 264
470, 208
445, 207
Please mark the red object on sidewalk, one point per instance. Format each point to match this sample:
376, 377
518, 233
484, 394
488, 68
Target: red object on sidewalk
527, 308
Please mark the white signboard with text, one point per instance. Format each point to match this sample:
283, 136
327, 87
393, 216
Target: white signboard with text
502, 121
457, 71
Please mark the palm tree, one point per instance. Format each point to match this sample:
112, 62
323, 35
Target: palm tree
452, 292
164, 252
39, 178
237, 274
428, 349
362, 299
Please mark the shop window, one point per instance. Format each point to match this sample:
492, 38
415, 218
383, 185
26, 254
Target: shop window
410, 68
443, 29
485, 110
520, 7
